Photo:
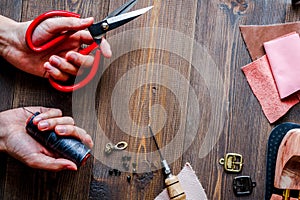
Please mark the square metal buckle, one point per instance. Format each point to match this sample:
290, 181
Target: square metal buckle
243, 185
232, 162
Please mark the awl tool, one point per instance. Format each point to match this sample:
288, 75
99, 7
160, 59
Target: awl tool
172, 182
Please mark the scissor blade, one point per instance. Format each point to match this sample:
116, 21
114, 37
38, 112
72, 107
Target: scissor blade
122, 19
99, 29
122, 9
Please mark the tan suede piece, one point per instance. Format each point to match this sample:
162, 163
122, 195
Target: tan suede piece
255, 35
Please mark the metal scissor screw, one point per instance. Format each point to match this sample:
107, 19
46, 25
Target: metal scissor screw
105, 26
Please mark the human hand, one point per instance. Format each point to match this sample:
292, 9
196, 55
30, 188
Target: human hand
18, 143
60, 62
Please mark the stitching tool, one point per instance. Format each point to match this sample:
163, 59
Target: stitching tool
117, 18
173, 186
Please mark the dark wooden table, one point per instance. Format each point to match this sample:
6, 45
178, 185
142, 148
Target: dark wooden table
177, 68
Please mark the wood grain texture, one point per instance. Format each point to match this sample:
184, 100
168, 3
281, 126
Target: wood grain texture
148, 92
162, 62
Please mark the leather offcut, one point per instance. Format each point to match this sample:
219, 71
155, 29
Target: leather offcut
260, 79
282, 54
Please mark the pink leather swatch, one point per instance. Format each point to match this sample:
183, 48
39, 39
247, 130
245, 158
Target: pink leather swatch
190, 184
283, 54
260, 79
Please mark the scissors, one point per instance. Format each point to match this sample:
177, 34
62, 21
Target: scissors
115, 19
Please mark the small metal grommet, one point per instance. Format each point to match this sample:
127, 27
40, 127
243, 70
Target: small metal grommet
109, 147
121, 145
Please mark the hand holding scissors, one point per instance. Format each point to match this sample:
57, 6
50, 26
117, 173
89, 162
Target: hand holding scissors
98, 30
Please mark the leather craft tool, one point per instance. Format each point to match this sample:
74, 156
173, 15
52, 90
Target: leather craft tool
190, 183
287, 166
274, 142
67, 147
173, 186
117, 18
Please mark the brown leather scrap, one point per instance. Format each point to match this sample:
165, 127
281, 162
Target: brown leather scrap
255, 35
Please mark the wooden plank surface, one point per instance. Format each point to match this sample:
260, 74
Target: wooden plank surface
162, 62
146, 92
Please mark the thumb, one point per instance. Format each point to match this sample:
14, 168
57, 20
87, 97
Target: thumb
52, 27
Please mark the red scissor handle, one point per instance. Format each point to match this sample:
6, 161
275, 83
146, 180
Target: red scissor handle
56, 41
84, 82
37, 21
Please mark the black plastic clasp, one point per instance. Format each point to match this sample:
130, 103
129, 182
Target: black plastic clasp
243, 185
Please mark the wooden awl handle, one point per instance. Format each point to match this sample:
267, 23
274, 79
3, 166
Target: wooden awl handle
174, 188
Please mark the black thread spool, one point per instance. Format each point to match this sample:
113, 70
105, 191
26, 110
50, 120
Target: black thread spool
66, 147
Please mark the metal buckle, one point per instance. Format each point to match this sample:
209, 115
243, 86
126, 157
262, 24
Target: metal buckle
243, 185
232, 162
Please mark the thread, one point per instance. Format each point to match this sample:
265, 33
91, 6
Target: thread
66, 147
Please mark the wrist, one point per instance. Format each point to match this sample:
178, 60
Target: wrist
8, 35
2, 134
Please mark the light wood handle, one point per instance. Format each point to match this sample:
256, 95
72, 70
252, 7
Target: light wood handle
174, 188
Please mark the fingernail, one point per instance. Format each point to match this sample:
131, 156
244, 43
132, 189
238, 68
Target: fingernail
106, 48
54, 60
91, 144
61, 129
86, 20
70, 167
36, 120
43, 125
48, 67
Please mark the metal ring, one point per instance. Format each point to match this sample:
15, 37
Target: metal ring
121, 145
222, 161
